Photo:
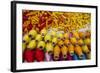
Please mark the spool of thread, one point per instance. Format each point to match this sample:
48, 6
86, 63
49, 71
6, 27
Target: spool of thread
64, 51
66, 42
85, 49
69, 57
78, 51
75, 57
49, 48
39, 55
71, 49
28, 55
48, 57
84, 57
56, 53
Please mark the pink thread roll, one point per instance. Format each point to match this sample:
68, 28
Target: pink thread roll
48, 57
69, 57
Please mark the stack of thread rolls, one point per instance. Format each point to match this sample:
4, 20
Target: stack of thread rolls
56, 36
